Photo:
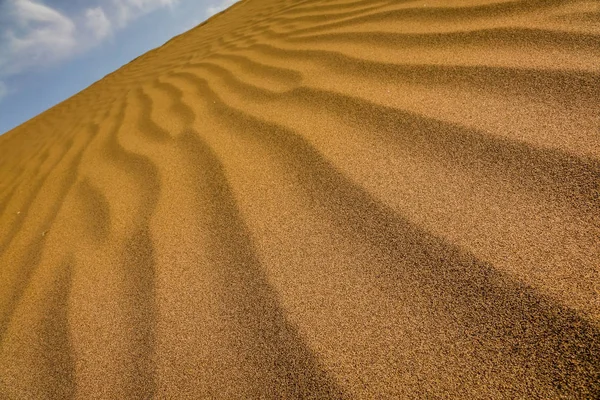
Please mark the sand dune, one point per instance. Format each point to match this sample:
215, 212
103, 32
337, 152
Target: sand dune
316, 199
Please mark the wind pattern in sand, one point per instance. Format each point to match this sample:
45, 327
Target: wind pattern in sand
316, 199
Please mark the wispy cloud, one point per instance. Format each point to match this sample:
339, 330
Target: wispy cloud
97, 22
127, 10
38, 35
210, 11
34, 34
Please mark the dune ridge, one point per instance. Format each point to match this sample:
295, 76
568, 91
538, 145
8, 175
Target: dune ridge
316, 199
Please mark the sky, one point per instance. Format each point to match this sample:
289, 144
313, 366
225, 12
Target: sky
52, 49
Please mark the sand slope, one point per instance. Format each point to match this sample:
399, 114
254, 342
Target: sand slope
316, 199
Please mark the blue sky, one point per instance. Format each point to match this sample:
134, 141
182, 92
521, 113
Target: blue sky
52, 49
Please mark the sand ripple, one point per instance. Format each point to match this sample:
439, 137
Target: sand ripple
316, 199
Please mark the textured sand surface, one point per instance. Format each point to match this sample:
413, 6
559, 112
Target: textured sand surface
316, 199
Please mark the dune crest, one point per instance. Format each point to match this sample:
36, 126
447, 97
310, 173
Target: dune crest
316, 199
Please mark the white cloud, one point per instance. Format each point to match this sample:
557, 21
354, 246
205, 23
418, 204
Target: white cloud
36, 35
40, 35
3, 90
127, 10
28, 10
210, 11
97, 22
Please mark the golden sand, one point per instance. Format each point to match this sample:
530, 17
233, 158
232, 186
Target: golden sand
316, 199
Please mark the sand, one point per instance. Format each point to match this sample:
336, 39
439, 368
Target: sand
316, 199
